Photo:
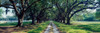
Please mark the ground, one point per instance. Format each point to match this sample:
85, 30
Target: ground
83, 25
79, 27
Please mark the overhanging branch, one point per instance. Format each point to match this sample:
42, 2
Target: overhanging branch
32, 4
81, 10
14, 5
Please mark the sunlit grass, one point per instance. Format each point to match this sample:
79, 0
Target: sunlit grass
84, 22
91, 26
71, 28
39, 28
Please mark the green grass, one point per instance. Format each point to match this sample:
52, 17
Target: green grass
35, 28
84, 22
13, 24
91, 27
40, 27
88, 25
71, 28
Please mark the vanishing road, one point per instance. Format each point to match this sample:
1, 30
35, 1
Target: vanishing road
51, 28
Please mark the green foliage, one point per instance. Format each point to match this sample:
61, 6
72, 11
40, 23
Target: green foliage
39, 28
71, 28
84, 16
98, 14
1, 12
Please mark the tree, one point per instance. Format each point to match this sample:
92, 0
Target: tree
1, 12
71, 7
37, 11
20, 7
98, 14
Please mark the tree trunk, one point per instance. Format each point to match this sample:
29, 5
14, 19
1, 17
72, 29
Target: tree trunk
33, 21
68, 21
64, 20
38, 20
20, 22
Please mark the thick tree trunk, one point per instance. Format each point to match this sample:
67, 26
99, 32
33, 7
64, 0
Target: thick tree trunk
20, 22
68, 21
38, 20
33, 21
63, 20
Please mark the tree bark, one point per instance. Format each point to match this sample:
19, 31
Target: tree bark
20, 21
68, 21
33, 21
64, 20
38, 20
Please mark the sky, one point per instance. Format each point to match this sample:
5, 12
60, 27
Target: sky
91, 10
4, 15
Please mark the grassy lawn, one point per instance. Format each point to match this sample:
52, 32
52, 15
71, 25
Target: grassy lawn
39, 28
91, 26
13, 24
79, 27
8, 27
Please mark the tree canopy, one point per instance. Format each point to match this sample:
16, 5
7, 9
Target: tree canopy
41, 10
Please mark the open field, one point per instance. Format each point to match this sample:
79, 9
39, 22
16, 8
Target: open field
79, 27
85, 22
14, 24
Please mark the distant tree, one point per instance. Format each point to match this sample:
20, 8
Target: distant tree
1, 12
98, 14
38, 10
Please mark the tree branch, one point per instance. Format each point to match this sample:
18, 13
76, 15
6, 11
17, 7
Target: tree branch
81, 10
14, 5
42, 10
32, 4
82, 2
74, 2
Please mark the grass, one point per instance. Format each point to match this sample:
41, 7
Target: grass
39, 28
91, 26
84, 22
13, 24
71, 28
28, 28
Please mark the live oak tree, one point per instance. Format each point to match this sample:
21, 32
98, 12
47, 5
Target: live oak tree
38, 10
20, 7
71, 7
1, 12
65, 9
42, 13
97, 15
